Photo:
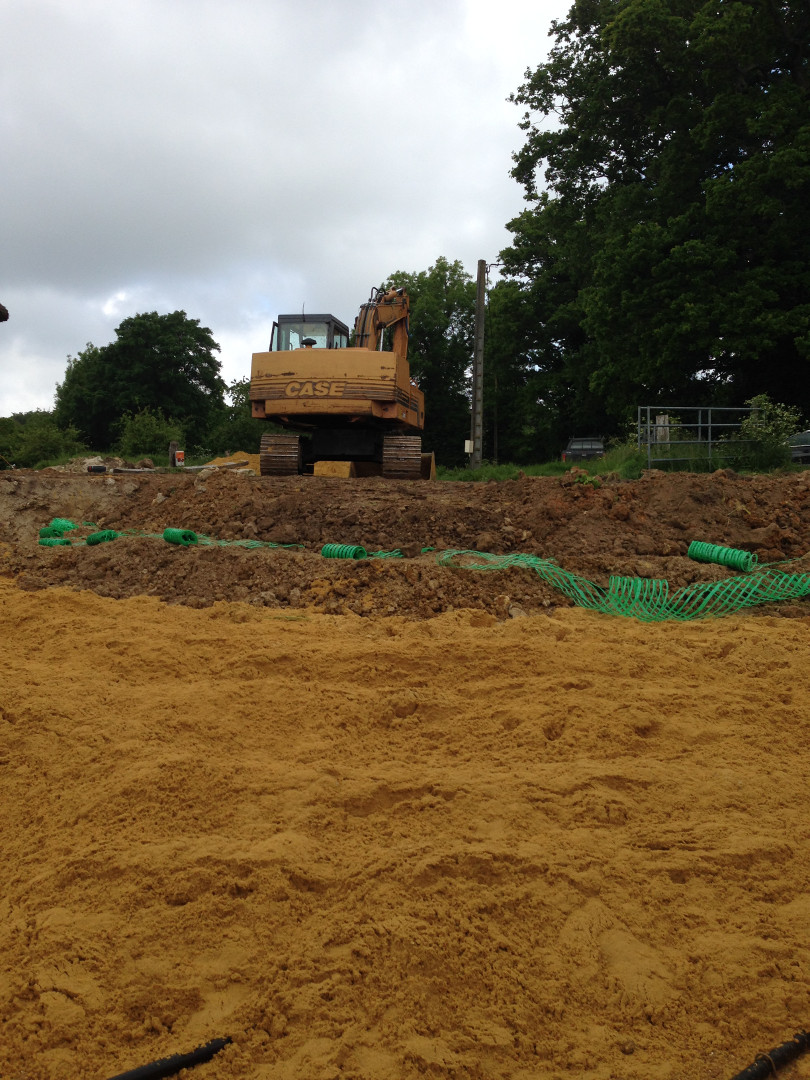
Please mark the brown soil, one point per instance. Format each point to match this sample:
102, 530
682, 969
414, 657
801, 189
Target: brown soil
633, 529
368, 821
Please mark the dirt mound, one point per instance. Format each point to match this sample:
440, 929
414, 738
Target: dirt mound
638, 529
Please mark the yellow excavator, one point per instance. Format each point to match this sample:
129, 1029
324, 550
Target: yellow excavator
344, 403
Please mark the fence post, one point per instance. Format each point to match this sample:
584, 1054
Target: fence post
710, 436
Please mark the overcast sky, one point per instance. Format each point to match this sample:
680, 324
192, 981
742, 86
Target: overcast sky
244, 158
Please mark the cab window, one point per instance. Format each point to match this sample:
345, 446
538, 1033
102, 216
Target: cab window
292, 335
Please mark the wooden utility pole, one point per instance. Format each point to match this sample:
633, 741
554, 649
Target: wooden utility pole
477, 419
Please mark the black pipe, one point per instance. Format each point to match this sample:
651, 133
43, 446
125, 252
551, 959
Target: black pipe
766, 1064
171, 1065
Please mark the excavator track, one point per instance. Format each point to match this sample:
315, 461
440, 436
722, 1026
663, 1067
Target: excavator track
402, 457
280, 455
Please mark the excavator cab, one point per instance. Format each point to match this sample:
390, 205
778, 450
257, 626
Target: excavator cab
297, 331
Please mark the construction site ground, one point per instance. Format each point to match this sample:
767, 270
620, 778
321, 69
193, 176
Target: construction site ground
379, 819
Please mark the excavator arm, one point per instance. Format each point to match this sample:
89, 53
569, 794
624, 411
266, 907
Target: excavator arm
381, 311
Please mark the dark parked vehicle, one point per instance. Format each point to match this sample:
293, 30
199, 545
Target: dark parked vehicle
583, 450
800, 447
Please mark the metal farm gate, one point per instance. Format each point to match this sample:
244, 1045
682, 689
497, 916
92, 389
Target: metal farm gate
688, 433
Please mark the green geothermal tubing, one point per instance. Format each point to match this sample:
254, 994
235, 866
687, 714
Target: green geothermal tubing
253, 544
630, 596
182, 537
63, 524
646, 599
712, 553
185, 537
355, 551
343, 551
101, 537
642, 598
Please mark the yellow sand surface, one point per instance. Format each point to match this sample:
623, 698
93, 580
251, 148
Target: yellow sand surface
561, 846
250, 460
342, 469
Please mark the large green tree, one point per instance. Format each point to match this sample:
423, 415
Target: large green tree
667, 258
164, 363
440, 352
523, 409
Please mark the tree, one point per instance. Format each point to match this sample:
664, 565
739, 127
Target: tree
668, 258
522, 408
236, 429
33, 439
440, 351
164, 363
764, 433
146, 432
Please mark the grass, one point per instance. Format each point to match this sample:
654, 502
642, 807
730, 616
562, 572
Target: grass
626, 461
488, 472
741, 456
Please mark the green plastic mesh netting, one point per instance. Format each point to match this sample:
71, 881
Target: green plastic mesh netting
642, 598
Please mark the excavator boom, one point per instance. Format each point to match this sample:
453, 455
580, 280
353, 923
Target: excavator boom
382, 311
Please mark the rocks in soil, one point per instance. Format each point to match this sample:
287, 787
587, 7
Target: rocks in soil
637, 528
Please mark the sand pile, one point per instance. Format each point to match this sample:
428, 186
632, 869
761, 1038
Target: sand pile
560, 846
251, 461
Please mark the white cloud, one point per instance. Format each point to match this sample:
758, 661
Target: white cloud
113, 305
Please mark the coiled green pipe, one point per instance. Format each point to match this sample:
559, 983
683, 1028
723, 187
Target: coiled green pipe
55, 541
343, 551
63, 525
184, 537
101, 537
733, 557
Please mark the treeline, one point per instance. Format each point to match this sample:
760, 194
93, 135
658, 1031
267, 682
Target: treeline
662, 258
158, 381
